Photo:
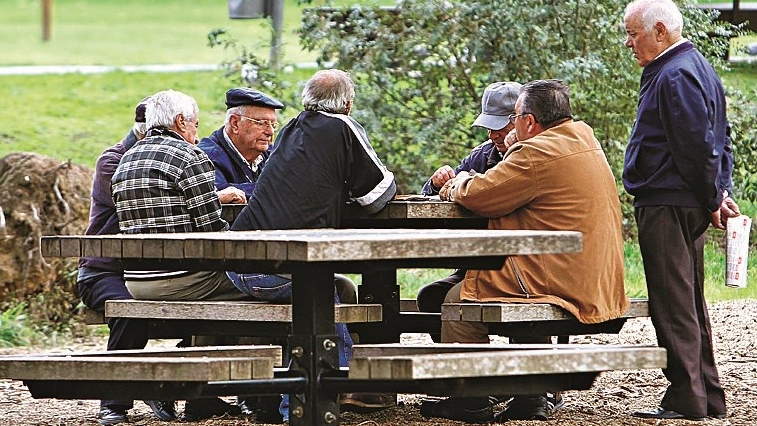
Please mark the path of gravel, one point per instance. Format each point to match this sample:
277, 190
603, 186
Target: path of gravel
609, 402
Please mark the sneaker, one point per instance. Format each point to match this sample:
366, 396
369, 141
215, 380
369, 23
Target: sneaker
198, 409
111, 415
163, 410
554, 402
248, 405
364, 403
469, 410
526, 407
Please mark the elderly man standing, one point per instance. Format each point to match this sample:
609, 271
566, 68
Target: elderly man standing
555, 177
165, 184
678, 168
322, 160
497, 103
239, 149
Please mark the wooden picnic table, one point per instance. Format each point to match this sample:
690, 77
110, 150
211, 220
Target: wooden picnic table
312, 257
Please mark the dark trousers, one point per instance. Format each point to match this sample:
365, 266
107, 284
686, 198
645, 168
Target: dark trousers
431, 296
671, 240
125, 333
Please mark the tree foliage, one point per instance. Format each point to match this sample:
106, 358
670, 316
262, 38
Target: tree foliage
420, 69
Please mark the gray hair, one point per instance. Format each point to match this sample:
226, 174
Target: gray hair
547, 100
328, 91
654, 11
163, 107
237, 110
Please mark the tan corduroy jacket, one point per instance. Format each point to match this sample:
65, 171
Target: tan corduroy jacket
557, 180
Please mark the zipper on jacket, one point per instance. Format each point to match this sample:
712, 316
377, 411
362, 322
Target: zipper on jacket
519, 278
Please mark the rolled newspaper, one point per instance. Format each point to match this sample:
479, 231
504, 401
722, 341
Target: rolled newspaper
737, 250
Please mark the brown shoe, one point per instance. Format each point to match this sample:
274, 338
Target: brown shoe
363, 403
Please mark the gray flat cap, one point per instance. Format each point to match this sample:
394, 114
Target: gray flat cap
497, 104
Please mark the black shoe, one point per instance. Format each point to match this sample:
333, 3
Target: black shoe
469, 410
661, 413
527, 408
163, 410
111, 416
198, 409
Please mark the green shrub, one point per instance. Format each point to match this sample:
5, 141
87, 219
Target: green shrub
420, 71
15, 327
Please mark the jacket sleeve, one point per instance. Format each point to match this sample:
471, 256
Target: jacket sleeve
688, 124
371, 185
504, 188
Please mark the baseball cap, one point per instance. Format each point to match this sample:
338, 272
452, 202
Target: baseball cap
497, 103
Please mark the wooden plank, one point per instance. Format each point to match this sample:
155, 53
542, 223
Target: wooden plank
337, 245
91, 248
239, 351
519, 312
50, 247
230, 311
408, 305
511, 363
398, 349
169, 369
70, 247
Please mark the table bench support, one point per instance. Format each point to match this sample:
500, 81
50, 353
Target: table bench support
313, 347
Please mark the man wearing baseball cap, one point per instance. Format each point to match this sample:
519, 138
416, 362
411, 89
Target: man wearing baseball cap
497, 103
239, 149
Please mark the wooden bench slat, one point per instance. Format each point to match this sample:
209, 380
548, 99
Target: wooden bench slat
238, 351
506, 363
171, 369
520, 312
230, 311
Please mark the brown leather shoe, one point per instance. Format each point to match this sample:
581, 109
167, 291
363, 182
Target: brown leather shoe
363, 403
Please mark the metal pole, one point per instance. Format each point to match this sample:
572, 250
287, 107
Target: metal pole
47, 18
277, 17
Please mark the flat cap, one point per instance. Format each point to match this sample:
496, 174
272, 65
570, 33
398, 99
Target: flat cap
497, 104
246, 96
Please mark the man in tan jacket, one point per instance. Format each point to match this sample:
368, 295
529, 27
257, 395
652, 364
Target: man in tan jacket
556, 177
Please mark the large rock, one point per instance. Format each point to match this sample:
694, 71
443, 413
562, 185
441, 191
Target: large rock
38, 196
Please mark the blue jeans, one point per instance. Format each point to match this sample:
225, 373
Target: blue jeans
278, 289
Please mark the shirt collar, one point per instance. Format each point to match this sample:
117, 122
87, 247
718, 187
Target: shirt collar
672, 46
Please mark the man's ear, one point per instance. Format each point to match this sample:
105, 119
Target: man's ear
348, 108
179, 122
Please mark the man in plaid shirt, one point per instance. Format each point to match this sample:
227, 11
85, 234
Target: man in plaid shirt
166, 184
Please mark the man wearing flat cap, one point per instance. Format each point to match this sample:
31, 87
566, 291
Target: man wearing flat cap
497, 103
239, 149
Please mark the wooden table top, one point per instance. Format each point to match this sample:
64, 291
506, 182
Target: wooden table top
316, 245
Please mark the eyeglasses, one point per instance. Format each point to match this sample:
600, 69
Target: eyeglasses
512, 117
265, 123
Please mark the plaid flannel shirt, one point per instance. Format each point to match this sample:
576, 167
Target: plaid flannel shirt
165, 184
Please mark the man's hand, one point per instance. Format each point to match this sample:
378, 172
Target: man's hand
442, 175
231, 195
728, 208
445, 194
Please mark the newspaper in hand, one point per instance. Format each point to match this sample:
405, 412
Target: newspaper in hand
737, 249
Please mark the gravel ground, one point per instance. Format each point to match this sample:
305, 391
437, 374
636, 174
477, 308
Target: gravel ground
610, 401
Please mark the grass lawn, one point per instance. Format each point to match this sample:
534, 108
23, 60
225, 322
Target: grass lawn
118, 32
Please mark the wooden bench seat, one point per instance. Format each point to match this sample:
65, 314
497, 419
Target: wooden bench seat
405, 362
536, 319
169, 365
223, 311
520, 312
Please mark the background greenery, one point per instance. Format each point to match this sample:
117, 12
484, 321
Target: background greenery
76, 116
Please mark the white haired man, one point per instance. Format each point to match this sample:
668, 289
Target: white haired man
678, 167
164, 183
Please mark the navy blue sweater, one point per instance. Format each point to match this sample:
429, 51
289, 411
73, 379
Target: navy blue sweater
679, 152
